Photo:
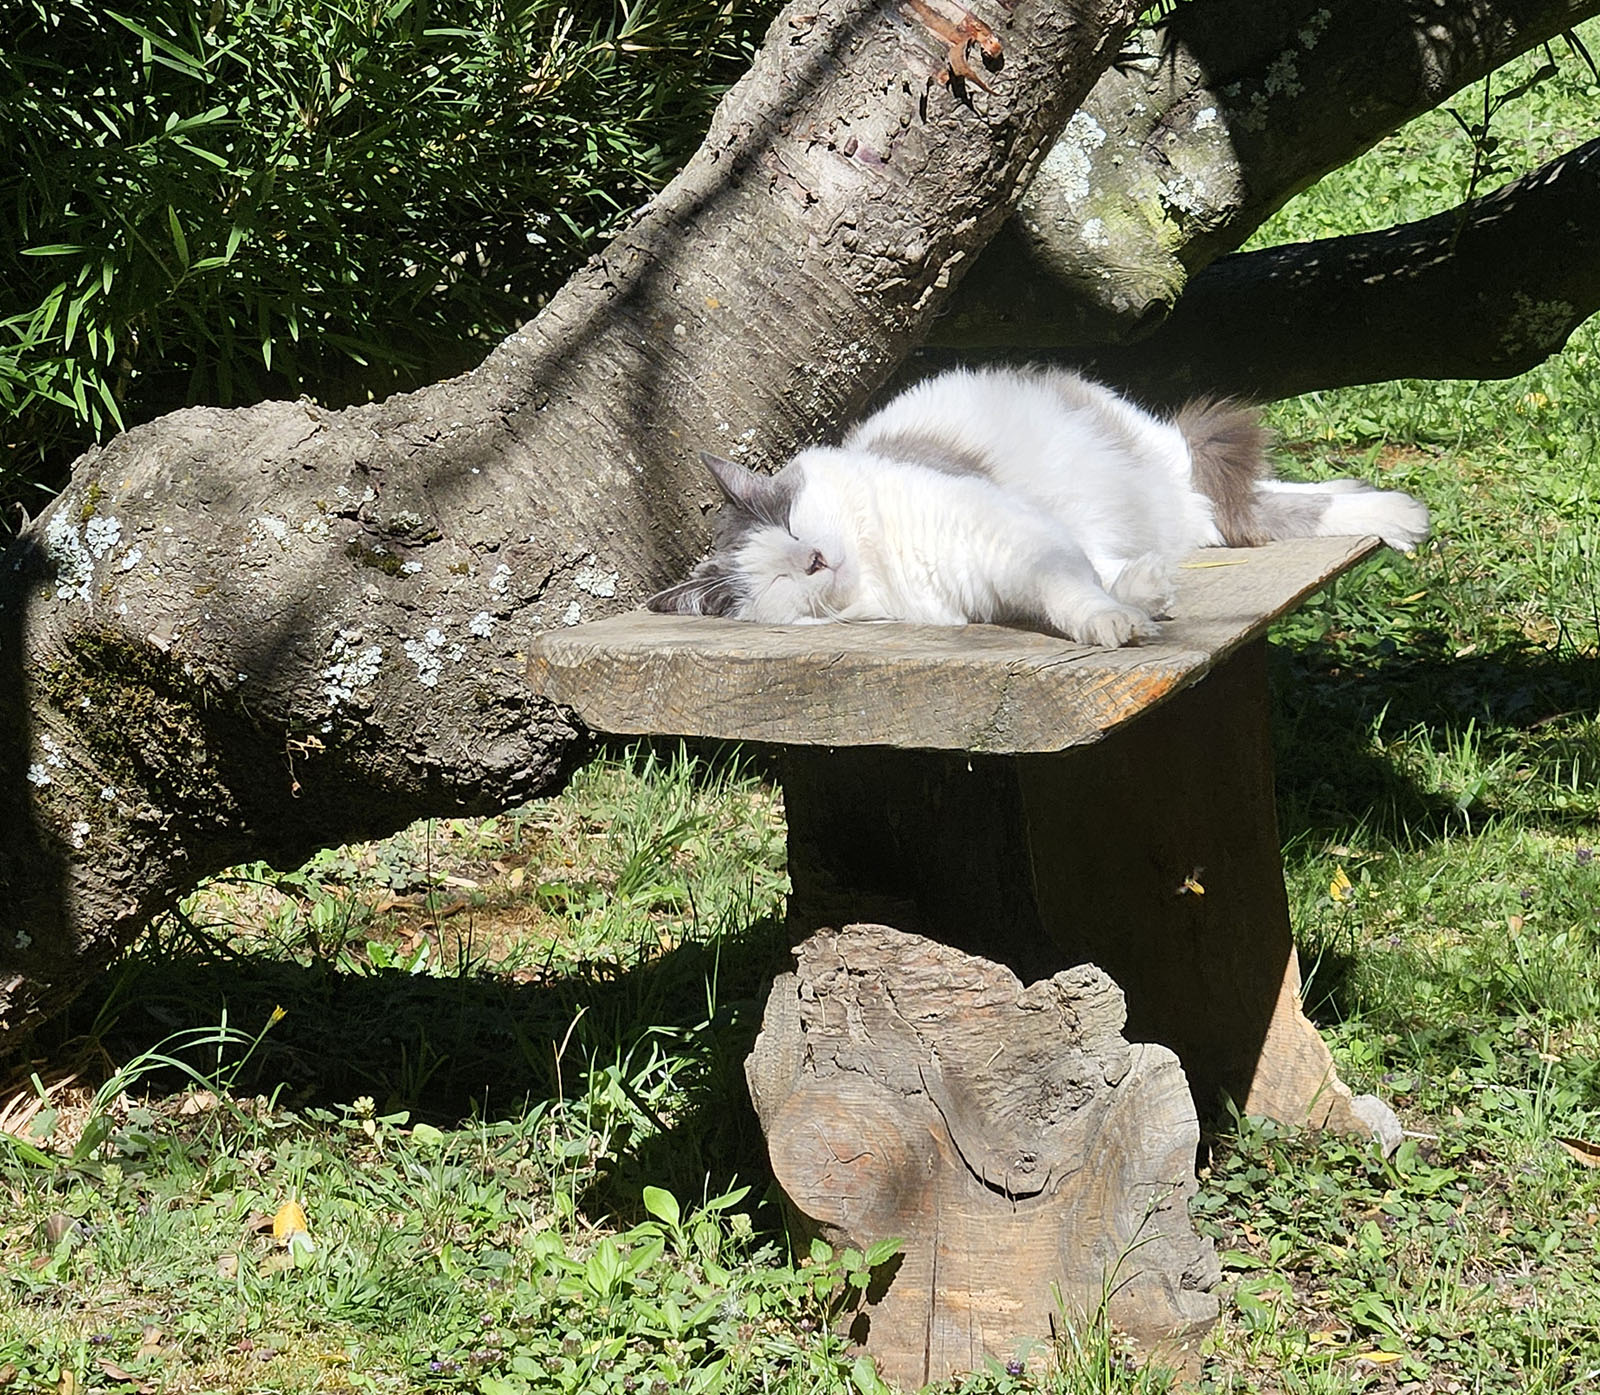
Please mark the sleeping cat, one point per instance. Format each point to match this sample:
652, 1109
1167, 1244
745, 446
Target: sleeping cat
1033, 498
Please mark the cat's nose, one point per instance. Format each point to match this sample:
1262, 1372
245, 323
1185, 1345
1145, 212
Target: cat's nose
816, 564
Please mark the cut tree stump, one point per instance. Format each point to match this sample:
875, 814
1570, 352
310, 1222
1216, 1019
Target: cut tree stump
1035, 1164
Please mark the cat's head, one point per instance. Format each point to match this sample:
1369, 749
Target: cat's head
779, 556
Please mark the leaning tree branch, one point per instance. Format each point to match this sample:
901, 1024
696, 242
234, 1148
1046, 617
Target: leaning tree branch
1208, 126
255, 633
1488, 290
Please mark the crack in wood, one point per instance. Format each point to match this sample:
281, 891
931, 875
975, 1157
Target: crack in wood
1002, 1188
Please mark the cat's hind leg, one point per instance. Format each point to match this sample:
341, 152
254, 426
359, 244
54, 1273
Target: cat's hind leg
1340, 508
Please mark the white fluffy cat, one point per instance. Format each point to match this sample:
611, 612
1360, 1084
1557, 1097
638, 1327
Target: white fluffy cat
1023, 497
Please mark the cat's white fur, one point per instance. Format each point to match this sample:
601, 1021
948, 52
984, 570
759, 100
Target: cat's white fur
1016, 496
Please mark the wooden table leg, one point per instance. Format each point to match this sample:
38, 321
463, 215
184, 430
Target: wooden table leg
1096, 854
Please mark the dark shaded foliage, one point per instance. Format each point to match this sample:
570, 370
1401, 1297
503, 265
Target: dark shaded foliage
274, 197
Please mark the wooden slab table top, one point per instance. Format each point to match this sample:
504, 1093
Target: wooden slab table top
977, 688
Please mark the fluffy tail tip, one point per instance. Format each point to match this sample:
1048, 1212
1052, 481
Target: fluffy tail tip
1401, 521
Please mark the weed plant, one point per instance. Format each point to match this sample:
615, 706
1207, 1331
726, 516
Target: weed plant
498, 1141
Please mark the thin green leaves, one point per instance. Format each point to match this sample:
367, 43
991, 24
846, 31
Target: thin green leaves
277, 196
180, 243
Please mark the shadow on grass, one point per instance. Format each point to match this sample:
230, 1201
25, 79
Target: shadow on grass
451, 1049
477, 1046
1334, 782
1348, 730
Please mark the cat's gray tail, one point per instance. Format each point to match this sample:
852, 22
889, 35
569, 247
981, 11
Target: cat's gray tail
1228, 464
1227, 458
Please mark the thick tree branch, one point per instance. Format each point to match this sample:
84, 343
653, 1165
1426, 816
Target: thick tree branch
1484, 291
255, 633
1217, 119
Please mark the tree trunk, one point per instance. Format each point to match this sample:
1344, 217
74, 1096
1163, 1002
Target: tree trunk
1213, 120
255, 633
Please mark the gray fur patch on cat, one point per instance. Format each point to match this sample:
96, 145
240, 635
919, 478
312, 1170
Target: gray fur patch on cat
1228, 451
714, 587
753, 502
1089, 399
1291, 515
931, 449
759, 501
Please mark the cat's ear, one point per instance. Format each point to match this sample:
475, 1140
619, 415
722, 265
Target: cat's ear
763, 496
736, 483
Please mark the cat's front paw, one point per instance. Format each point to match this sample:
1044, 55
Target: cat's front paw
1147, 583
1112, 626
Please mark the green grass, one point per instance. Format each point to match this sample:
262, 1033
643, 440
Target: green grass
506, 1087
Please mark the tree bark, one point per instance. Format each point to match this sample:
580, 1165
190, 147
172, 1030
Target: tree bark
1485, 291
1212, 122
255, 633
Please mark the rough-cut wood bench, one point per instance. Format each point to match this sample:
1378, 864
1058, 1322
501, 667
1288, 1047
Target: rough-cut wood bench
1038, 805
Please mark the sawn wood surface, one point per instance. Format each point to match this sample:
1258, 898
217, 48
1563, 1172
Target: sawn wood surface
981, 688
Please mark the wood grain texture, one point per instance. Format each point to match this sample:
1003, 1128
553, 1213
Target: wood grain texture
1009, 1135
978, 688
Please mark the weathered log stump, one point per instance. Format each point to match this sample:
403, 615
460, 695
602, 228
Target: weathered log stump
1034, 1164
1152, 853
